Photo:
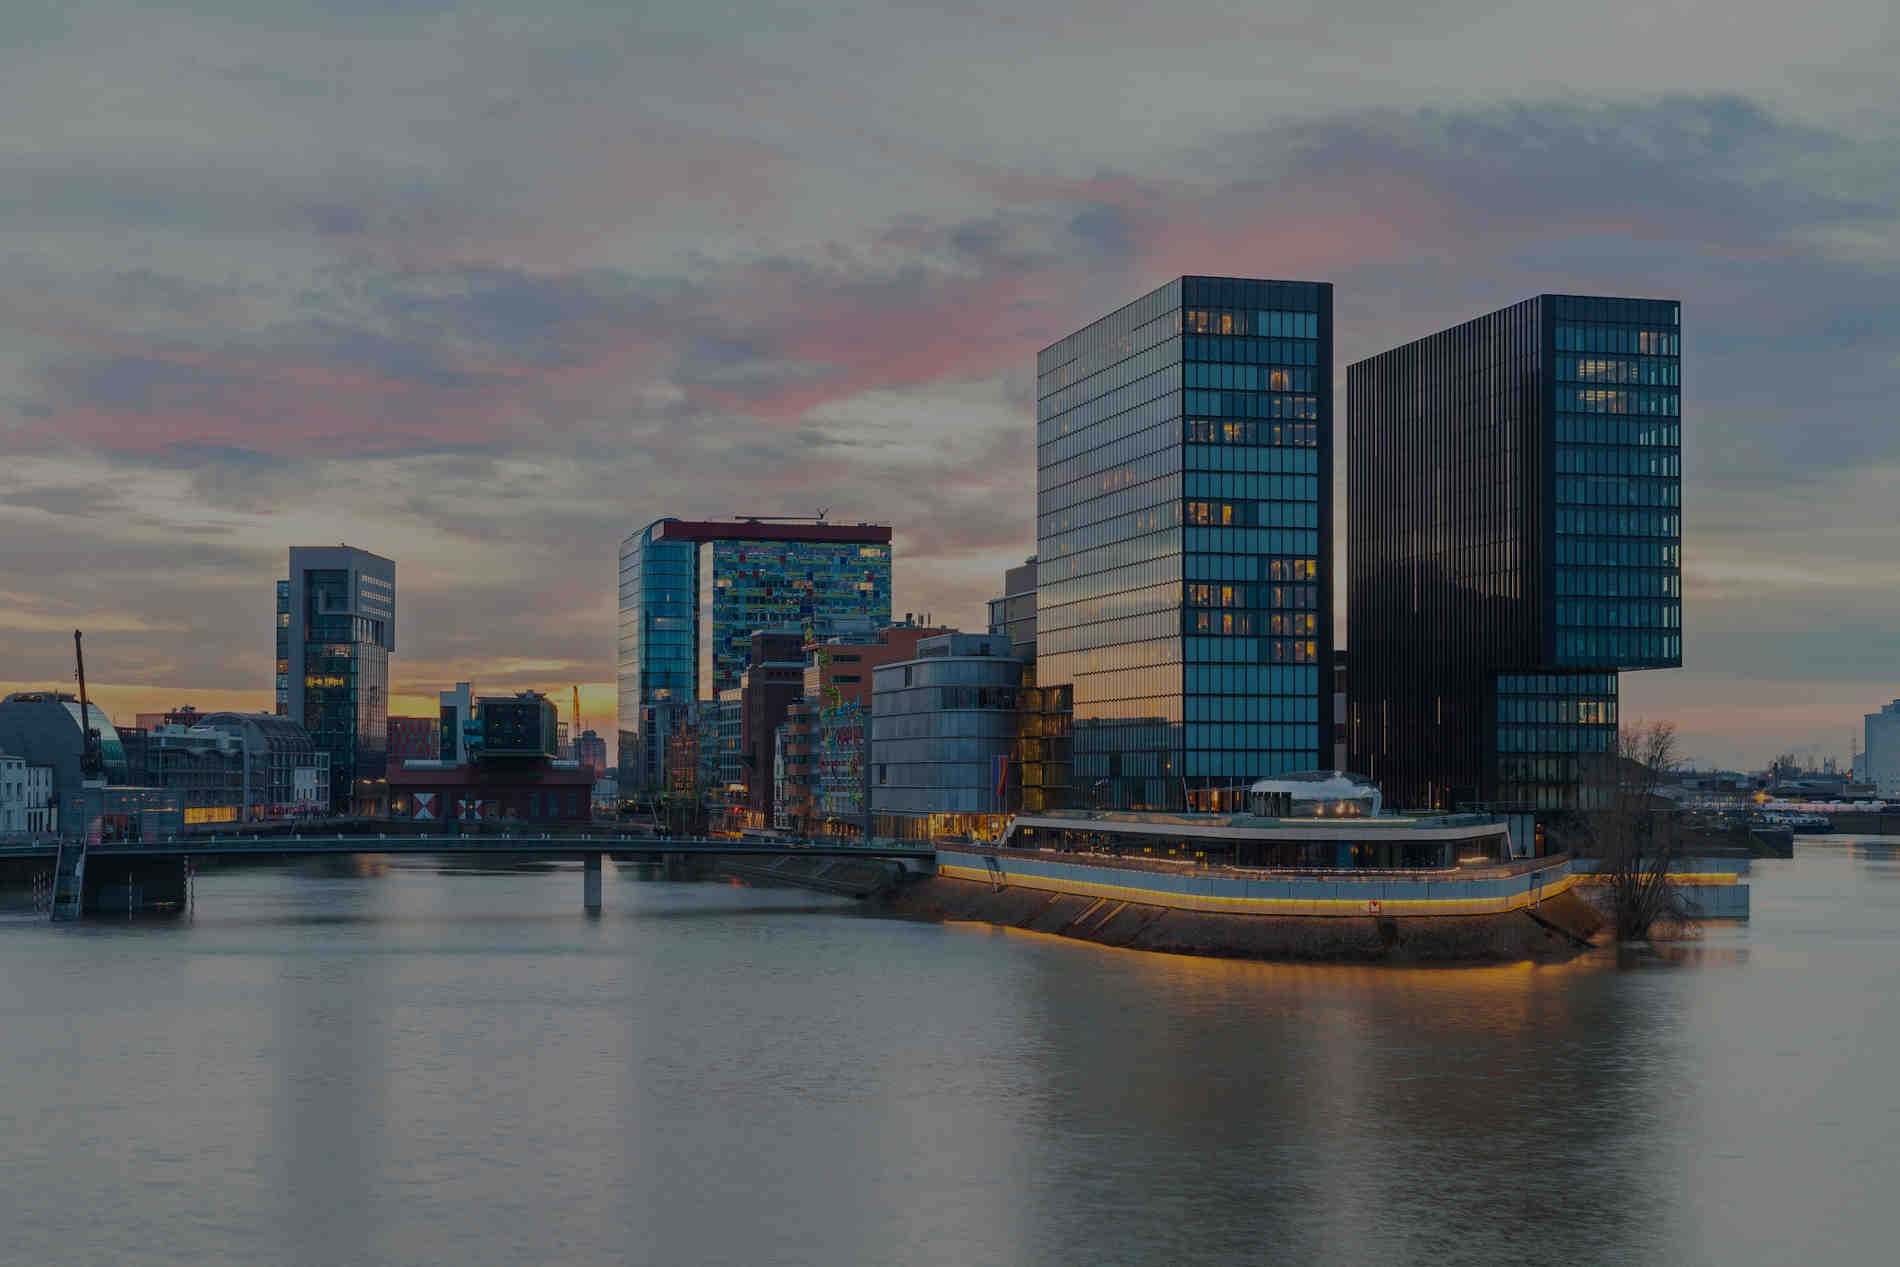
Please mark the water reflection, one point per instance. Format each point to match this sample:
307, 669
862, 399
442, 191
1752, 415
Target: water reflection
444, 1065
1210, 1109
330, 1097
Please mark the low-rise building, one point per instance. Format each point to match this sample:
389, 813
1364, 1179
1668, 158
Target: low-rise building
286, 774
414, 739
822, 779
12, 795
591, 751
944, 727
205, 766
507, 771
41, 812
233, 767
545, 791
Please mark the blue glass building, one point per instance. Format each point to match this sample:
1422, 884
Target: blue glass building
1184, 512
1515, 540
693, 592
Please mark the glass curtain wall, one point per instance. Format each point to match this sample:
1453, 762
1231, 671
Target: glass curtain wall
1618, 564
655, 652
1515, 511
1184, 445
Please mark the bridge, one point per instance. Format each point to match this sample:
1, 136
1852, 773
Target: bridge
163, 862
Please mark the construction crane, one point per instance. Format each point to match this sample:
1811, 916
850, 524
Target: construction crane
575, 725
90, 763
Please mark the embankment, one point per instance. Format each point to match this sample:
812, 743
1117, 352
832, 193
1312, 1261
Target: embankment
1557, 927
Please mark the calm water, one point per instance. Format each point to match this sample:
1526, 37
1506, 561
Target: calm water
426, 1065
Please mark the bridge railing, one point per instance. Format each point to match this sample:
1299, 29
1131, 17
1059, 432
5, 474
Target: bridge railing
366, 842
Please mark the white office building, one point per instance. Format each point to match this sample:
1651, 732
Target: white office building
1880, 760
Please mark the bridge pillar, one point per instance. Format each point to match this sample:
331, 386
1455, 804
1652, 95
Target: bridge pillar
590, 882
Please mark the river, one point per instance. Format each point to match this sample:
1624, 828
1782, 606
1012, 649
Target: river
430, 1064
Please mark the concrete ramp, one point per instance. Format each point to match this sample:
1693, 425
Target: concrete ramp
846, 877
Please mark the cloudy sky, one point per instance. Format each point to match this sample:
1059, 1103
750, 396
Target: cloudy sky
484, 291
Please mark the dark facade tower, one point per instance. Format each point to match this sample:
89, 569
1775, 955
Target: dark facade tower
336, 628
1515, 540
1184, 532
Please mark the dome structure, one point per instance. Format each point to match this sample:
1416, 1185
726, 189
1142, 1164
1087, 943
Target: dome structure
1316, 794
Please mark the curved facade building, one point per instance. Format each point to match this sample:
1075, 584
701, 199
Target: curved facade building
943, 727
42, 727
285, 771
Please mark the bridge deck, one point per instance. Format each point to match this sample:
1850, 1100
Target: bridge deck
543, 846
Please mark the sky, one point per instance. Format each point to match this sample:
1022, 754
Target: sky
484, 291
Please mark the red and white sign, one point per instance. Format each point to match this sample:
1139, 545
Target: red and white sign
1372, 906
426, 803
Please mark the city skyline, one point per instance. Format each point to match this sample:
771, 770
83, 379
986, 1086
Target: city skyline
596, 277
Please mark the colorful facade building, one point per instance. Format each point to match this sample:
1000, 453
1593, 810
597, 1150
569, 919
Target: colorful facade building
692, 593
824, 764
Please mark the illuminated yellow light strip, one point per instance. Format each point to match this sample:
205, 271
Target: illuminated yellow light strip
1693, 879
1320, 907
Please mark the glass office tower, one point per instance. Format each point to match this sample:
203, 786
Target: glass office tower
693, 592
1184, 512
336, 627
1515, 540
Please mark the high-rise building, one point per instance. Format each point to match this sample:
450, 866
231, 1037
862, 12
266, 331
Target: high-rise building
336, 628
1013, 612
692, 593
1879, 763
1184, 532
1515, 540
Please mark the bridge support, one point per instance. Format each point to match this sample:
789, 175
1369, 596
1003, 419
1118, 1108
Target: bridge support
590, 882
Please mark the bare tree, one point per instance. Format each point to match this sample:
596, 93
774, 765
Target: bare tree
1634, 833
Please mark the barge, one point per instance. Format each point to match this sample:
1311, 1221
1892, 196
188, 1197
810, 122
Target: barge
1374, 887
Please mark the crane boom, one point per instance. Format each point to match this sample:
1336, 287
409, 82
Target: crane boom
90, 764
